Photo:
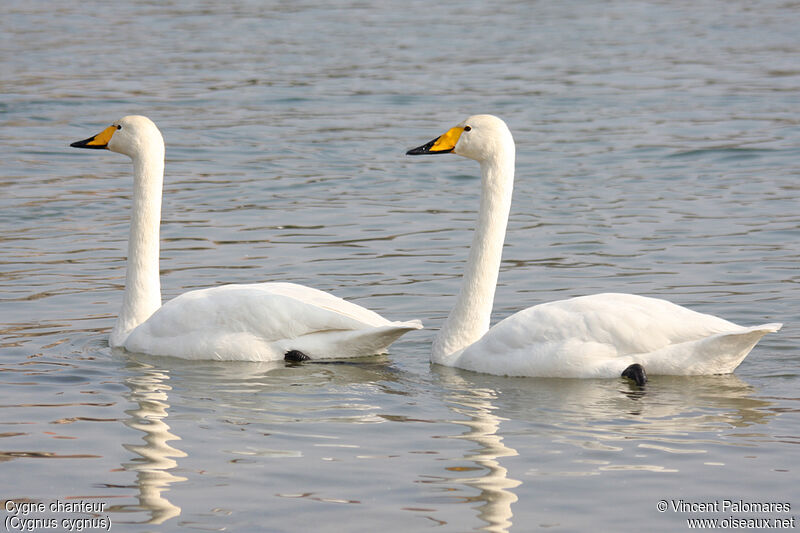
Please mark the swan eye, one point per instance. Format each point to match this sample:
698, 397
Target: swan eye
467, 128
119, 126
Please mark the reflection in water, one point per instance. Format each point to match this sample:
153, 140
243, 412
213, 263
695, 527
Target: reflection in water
686, 411
495, 486
149, 391
612, 426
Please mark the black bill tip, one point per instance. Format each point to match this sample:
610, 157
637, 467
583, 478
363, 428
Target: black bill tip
426, 149
85, 144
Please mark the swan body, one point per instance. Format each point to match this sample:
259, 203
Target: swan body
254, 322
598, 336
262, 322
603, 334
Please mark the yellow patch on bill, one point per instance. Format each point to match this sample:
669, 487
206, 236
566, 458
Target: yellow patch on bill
448, 141
102, 138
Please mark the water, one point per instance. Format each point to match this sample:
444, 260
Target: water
657, 150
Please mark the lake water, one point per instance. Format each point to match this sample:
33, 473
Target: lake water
657, 153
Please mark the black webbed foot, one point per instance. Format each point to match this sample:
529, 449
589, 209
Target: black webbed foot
636, 373
295, 356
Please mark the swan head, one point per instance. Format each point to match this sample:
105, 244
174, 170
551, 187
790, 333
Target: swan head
134, 136
480, 137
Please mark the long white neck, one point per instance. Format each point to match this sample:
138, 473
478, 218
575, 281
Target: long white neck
142, 284
469, 319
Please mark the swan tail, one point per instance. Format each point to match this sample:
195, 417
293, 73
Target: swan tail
718, 354
409, 325
341, 344
768, 328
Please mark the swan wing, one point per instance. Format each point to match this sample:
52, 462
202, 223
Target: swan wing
600, 335
261, 322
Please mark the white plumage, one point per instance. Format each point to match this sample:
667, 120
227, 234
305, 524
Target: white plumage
257, 322
597, 336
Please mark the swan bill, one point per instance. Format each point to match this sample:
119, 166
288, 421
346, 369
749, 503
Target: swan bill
98, 142
440, 145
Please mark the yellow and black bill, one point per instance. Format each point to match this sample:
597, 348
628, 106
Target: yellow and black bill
440, 145
99, 141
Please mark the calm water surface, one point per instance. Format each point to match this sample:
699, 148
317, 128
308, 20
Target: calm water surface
657, 154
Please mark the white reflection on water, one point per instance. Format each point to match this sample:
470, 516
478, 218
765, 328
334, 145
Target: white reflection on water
577, 428
149, 390
495, 486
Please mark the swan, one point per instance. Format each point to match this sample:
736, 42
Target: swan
597, 336
254, 322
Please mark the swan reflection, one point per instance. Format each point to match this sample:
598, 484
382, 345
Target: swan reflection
149, 391
495, 486
610, 425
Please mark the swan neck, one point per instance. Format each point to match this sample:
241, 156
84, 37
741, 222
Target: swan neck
470, 317
142, 295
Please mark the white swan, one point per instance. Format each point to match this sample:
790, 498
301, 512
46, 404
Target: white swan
257, 322
599, 336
